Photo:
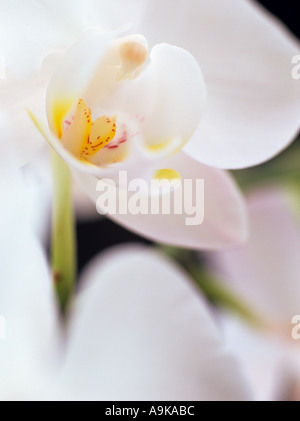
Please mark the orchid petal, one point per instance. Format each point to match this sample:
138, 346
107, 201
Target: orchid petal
31, 30
18, 96
245, 55
26, 298
47, 26
265, 271
142, 332
224, 211
270, 365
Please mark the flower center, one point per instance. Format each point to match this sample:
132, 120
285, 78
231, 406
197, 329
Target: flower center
84, 138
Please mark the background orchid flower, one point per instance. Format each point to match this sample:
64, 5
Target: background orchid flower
265, 274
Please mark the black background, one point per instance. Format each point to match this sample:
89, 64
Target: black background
287, 11
95, 236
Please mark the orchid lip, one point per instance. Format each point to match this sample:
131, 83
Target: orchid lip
103, 141
85, 138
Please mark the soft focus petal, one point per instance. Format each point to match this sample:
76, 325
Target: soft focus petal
16, 97
142, 332
26, 300
265, 274
271, 366
265, 271
31, 29
39, 197
224, 211
245, 55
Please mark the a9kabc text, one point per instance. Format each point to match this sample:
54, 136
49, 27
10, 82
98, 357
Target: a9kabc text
151, 410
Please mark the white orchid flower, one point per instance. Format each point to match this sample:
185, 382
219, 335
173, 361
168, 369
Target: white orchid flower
247, 65
138, 116
265, 273
157, 107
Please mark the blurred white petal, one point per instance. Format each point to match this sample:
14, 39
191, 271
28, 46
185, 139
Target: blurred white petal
265, 271
26, 299
31, 29
142, 332
265, 274
16, 98
271, 366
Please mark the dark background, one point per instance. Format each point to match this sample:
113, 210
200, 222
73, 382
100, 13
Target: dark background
95, 236
287, 11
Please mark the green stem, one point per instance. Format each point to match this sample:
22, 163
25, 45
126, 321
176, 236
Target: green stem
220, 295
63, 250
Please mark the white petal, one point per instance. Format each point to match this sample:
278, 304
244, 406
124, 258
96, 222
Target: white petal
16, 97
265, 271
26, 299
142, 332
28, 354
270, 366
30, 30
38, 194
245, 55
224, 211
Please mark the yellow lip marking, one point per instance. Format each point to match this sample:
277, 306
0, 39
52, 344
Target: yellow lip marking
167, 174
60, 108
